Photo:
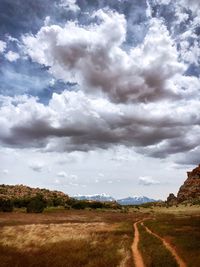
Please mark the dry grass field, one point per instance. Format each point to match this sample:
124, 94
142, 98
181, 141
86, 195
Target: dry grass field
84, 238
70, 238
183, 232
153, 251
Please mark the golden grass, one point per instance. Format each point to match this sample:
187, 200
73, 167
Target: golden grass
33, 236
68, 239
182, 232
153, 251
177, 210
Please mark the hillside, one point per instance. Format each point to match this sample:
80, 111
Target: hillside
21, 196
24, 192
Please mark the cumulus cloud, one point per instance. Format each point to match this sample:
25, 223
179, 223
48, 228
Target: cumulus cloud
93, 57
135, 98
12, 56
147, 180
5, 171
190, 157
3, 46
62, 174
162, 2
69, 5
64, 179
36, 166
67, 124
193, 5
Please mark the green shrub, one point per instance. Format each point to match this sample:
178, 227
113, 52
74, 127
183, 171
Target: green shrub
36, 204
6, 205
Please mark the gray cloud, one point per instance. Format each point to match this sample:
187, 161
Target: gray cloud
73, 121
92, 56
189, 158
136, 98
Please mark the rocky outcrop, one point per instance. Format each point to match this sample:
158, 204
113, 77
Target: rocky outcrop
172, 199
191, 188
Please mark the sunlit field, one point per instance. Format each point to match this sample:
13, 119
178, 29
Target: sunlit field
101, 238
183, 232
67, 239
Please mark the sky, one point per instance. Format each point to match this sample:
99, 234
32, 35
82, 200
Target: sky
100, 96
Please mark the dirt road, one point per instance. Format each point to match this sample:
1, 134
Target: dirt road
136, 253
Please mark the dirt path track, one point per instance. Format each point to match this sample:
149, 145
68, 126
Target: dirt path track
180, 262
136, 253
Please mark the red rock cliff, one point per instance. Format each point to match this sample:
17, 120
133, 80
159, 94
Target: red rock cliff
191, 187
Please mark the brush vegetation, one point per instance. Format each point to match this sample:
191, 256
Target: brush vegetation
35, 200
69, 238
182, 232
153, 251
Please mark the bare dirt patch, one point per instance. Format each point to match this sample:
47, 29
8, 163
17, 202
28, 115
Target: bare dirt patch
136, 253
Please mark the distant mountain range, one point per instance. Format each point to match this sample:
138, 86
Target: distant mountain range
23, 192
97, 197
135, 200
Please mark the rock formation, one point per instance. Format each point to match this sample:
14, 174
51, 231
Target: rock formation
191, 188
171, 200
189, 191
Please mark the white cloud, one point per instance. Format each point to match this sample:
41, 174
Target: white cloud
47, 21
57, 181
72, 157
74, 184
190, 53
162, 2
93, 57
147, 180
69, 5
193, 5
116, 88
148, 10
67, 123
12, 56
62, 174
5, 171
36, 166
3, 46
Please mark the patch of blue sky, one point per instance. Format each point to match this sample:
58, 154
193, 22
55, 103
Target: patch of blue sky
26, 77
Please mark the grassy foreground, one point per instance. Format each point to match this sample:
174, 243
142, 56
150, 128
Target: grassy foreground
70, 239
183, 232
153, 252
84, 238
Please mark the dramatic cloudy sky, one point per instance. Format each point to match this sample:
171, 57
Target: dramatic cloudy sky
99, 96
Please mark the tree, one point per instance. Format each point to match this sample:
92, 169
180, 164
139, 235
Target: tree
36, 204
6, 205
